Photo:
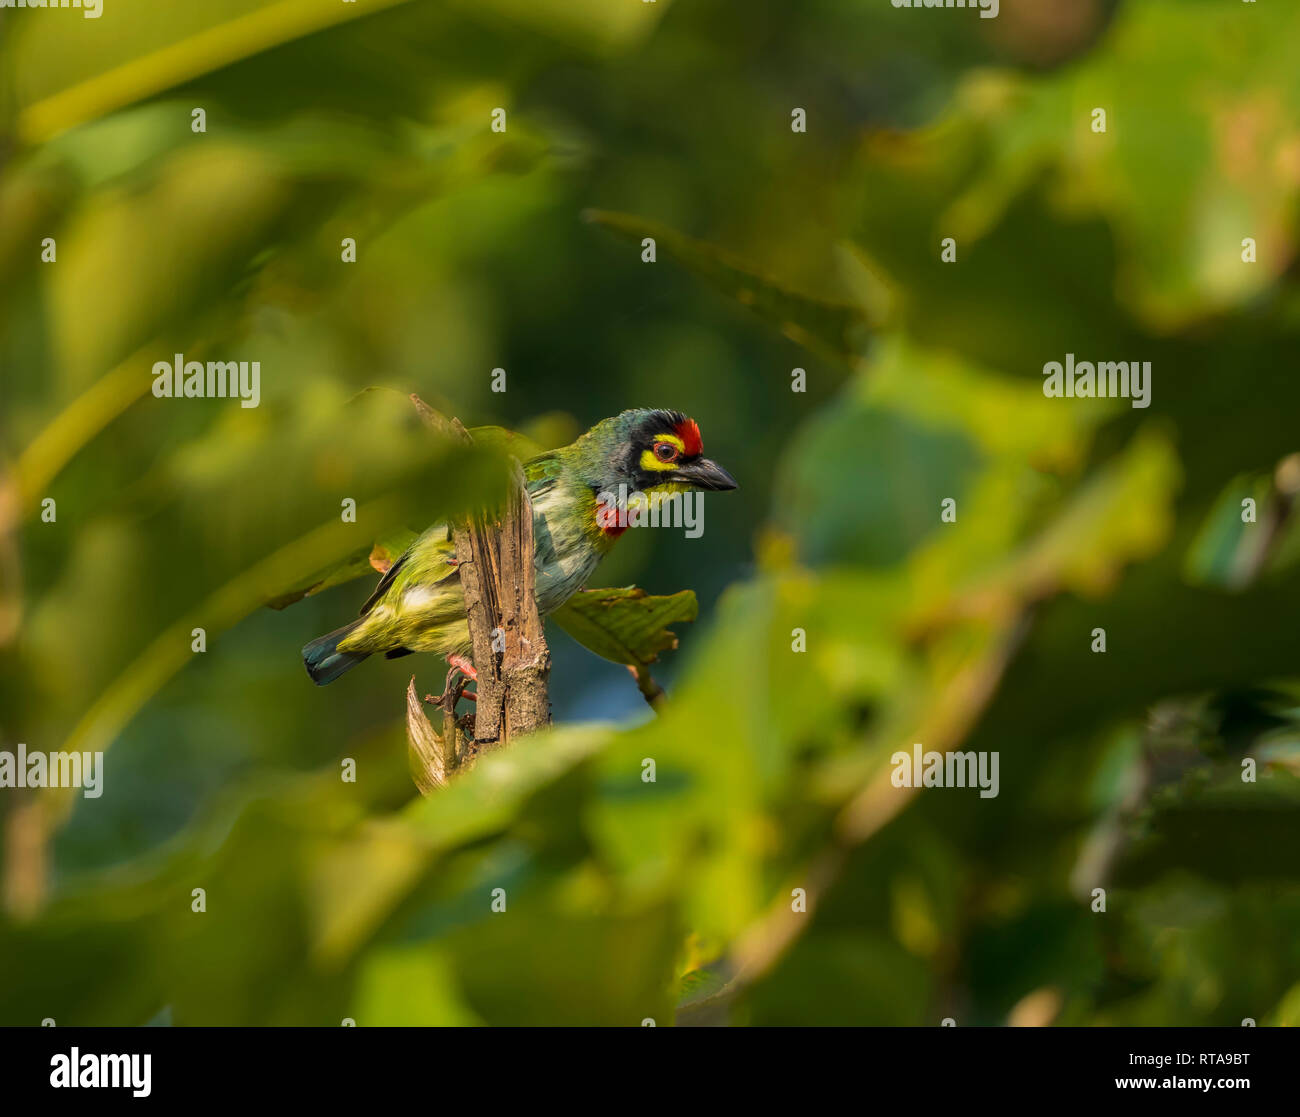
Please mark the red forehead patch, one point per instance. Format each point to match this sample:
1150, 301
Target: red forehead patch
689, 433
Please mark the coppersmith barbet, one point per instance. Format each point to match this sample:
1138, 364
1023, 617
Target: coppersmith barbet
418, 605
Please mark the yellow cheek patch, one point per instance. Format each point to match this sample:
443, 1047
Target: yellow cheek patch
650, 462
648, 499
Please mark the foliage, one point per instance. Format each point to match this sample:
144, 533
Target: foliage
628, 899
626, 625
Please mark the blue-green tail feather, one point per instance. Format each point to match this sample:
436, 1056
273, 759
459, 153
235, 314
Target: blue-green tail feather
325, 662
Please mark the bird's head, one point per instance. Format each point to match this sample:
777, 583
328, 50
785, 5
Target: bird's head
650, 450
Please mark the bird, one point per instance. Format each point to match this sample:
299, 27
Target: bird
418, 605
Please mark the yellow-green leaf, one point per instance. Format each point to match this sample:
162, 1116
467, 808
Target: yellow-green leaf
625, 625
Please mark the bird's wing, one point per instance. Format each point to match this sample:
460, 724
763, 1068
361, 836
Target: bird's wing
432, 550
541, 472
424, 561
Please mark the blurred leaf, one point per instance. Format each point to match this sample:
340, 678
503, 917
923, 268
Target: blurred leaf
138, 48
604, 873
377, 557
1232, 833
410, 986
837, 330
892, 472
1227, 549
1199, 151
78, 423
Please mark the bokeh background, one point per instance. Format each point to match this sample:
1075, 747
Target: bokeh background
776, 250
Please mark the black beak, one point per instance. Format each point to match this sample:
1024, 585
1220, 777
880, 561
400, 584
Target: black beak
706, 474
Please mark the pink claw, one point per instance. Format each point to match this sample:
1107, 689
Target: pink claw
464, 665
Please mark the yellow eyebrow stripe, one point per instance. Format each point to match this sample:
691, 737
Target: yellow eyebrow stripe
649, 461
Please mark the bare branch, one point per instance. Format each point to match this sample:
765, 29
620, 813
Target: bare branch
645, 683
494, 554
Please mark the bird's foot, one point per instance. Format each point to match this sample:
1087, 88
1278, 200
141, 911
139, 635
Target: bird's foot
462, 664
459, 673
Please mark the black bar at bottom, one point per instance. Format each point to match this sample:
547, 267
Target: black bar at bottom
341, 1065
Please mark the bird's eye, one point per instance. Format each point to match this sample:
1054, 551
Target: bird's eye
666, 451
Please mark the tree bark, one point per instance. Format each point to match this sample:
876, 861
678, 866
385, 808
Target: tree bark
494, 552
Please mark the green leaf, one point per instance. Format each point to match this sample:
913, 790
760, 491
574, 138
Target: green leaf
367, 560
1227, 549
389, 548
73, 72
506, 442
70, 71
1193, 158
833, 329
625, 625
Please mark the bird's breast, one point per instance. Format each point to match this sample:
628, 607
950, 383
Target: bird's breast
564, 555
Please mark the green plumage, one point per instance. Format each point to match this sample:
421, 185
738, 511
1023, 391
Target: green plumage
418, 605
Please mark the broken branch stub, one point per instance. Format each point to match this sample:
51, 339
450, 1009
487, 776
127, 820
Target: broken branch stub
495, 556
494, 553
427, 754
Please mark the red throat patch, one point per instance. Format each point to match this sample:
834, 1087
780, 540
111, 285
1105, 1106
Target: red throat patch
689, 433
611, 524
